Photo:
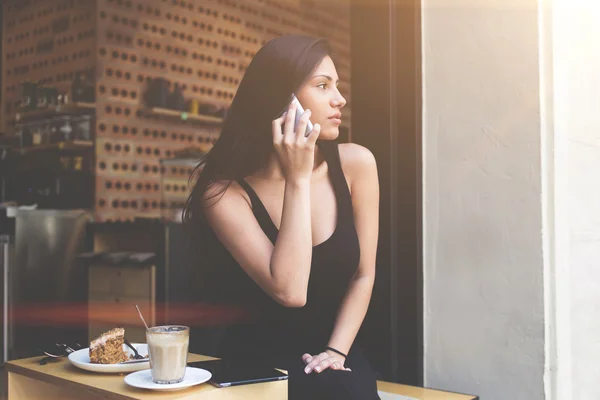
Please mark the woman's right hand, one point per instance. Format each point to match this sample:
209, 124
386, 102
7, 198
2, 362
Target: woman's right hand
295, 151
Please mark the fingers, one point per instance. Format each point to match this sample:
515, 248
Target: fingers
323, 365
276, 129
301, 129
314, 134
338, 366
321, 362
288, 127
306, 358
280, 125
316, 360
283, 128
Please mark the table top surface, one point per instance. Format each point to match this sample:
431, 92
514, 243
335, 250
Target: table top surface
112, 386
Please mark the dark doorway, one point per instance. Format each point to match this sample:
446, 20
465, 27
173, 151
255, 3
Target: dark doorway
386, 118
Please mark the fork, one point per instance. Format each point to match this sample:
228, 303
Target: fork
136, 355
50, 356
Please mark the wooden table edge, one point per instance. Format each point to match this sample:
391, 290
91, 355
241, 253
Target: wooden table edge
54, 380
61, 382
383, 386
471, 396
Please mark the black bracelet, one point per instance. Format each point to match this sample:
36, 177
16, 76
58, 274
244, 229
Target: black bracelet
336, 351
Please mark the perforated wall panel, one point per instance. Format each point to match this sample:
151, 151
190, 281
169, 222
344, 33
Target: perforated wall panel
203, 46
48, 41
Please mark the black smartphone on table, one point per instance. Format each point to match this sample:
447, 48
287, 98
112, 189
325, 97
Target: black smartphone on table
234, 372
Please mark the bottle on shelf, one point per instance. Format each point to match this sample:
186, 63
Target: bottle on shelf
157, 93
82, 89
176, 101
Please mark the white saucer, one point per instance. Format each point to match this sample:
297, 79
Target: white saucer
143, 379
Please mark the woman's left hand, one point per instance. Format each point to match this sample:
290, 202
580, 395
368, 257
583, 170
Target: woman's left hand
321, 362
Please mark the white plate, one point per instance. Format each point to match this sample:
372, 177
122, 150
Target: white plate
81, 359
143, 380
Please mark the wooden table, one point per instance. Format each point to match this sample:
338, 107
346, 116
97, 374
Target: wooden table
27, 379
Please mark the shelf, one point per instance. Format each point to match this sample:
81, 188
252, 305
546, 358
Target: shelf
182, 116
185, 162
71, 145
78, 108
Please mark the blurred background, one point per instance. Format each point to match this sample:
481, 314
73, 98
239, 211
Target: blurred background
108, 105
482, 116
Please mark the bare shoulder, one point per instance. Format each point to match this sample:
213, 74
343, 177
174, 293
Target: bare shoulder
357, 161
224, 193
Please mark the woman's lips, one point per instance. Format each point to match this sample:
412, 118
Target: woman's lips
336, 118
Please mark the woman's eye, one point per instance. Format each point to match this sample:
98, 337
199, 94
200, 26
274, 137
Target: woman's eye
322, 86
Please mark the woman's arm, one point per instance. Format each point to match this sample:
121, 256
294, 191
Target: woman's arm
360, 167
281, 270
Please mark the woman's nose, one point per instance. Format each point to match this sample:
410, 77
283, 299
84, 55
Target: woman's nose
339, 100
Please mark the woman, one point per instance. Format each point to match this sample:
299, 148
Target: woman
291, 223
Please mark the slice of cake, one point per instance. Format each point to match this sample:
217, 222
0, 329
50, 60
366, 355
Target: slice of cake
108, 348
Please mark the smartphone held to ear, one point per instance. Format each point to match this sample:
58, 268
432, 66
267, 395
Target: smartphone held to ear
299, 113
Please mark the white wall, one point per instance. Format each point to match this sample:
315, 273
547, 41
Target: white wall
576, 51
483, 260
511, 148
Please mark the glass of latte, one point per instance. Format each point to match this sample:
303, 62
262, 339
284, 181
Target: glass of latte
168, 351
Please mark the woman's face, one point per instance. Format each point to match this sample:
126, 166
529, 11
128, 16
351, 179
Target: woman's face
321, 95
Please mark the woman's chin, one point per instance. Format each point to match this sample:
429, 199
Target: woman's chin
329, 134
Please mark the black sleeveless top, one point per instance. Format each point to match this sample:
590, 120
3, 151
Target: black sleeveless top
279, 333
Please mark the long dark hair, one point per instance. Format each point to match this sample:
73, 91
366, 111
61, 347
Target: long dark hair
245, 144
